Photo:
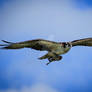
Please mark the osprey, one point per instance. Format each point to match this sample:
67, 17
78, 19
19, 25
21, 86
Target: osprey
55, 49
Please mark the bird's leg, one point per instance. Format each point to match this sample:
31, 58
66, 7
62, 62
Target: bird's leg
53, 59
50, 60
46, 56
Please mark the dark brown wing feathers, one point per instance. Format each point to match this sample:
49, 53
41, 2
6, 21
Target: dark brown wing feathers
82, 42
38, 44
35, 44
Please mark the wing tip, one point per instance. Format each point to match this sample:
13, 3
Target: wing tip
6, 41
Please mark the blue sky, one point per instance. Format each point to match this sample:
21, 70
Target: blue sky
57, 20
83, 4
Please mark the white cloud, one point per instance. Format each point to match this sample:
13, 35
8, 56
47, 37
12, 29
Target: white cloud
34, 88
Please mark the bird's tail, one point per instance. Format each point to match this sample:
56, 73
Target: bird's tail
11, 45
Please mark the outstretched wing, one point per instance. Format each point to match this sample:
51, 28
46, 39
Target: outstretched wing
82, 42
38, 44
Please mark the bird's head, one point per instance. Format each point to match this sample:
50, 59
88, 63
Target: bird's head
66, 44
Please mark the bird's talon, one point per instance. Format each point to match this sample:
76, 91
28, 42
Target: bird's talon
48, 63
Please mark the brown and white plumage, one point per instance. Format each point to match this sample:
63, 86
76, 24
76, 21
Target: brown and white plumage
55, 49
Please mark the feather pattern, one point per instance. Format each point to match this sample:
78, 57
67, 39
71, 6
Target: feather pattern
38, 44
82, 42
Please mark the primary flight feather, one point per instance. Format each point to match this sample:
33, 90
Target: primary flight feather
55, 49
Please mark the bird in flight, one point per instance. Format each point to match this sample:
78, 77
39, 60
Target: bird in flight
55, 49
